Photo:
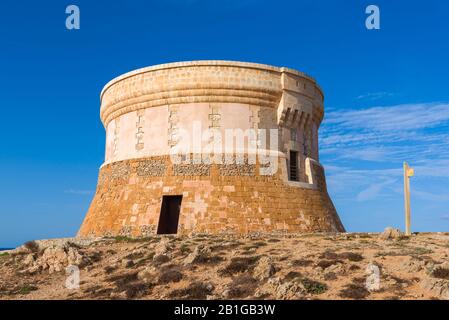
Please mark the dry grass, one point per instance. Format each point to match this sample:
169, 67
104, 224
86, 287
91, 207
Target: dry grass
324, 264
313, 287
32, 246
441, 273
195, 290
301, 263
239, 265
129, 284
242, 286
171, 275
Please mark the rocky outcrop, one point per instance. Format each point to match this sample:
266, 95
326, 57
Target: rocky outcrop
390, 234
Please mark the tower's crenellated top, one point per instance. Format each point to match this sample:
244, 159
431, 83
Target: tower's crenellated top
213, 81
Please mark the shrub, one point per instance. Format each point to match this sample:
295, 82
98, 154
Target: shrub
313, 287
171, 275
32, 246
329, 255
239, 265
330, 276
302, 263
160, 259
184, 248
123, 278
242, 287
195, 290
26, 289
292, 275
354, 291
327, 263
109, 269
441, 273
129, 284
136, 289
351, 256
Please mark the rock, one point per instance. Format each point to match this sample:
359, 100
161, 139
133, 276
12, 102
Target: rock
200, 253
390, 234
147, 274
29, 260
438, 287
33, 269
264, 268
127, 263
289, 290
281, 291
118, 295
20, 250
430, 267
413, 265
226, 293
160, 259
74, 257
209, 286
163, 247
337, 268
56, 259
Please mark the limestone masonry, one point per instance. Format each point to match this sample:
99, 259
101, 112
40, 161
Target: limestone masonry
211, 146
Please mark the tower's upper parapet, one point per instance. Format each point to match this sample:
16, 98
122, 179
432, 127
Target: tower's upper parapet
294, 94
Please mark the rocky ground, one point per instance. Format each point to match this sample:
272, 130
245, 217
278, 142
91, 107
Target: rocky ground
307, 266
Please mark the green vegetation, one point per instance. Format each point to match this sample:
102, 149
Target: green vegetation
26, 289
313, 287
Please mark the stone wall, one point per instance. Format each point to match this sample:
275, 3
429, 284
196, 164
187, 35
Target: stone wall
128, 202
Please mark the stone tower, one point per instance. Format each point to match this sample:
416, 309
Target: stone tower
211, 146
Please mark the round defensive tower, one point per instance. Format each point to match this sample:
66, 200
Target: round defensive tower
211, 146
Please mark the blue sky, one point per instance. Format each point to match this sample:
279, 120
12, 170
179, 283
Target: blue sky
387, 97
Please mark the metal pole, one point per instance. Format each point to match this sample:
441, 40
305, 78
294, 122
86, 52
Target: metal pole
408, 172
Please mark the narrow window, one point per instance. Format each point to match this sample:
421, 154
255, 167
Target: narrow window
293, 134
293, 166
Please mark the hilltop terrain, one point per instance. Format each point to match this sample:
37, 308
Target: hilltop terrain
300, 266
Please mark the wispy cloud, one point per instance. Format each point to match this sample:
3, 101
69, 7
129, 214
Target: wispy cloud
445, 217
373, 191
412, 131
400, 117
375, 95
79, 192
363, 150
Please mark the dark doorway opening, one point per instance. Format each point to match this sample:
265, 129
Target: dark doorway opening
294, 166
169, 218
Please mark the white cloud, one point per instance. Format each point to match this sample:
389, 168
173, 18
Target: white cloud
393, 118
375, 95
363, 151
373, 191
79, 192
